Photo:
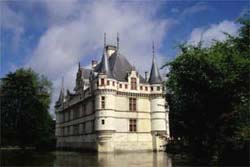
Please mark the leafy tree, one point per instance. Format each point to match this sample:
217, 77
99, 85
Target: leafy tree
25, 99
209, 95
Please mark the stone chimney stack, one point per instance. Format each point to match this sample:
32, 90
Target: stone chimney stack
94, 63
146, 75
110, 49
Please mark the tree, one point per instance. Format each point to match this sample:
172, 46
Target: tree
209, 95
25, 100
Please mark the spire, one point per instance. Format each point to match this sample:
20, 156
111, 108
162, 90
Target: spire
105, 40
79, 65
104, 62
61, 96
155, 77
117, 42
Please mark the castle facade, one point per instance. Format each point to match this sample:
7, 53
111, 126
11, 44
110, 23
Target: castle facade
113, 108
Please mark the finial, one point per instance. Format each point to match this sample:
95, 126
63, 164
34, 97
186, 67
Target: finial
62, 83
104, 39
153, 49
117, 41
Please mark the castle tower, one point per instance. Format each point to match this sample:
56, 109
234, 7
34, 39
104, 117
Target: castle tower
158, 111
104, 107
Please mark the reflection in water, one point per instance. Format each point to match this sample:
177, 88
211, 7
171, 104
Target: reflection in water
77, 159
113, 159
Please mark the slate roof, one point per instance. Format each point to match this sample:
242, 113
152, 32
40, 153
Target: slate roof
155, 77
85, 72
119, 67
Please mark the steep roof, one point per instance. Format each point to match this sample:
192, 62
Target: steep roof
155, 77
85, 72
119, 67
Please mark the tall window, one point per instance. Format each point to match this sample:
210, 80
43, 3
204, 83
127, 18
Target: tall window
93, 106
102, 82
83, 109
107, 82
103, 102
132, 125
83, 128
132, 104
75, 129
133, 84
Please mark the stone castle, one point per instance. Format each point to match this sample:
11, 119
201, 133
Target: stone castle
113, 108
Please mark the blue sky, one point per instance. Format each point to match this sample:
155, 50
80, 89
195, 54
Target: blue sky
52, 36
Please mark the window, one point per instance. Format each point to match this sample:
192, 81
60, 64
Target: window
152, 88
103, 102
126, 86
113, 83
120, 85
62, 131
146, 88
158, 88
74, 114
75, 129
65, 131
68, 130
63, 117
133, 84
107, 82
141, 87
93, 126
132, 125
102, 82
132, 104
83, 109
83, 128
103, 121
93, 106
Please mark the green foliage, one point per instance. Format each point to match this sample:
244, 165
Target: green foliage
25, 100
209, 94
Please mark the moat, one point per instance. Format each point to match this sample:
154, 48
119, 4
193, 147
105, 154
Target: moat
78, 159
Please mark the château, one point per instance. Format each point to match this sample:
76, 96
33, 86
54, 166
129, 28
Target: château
113, 108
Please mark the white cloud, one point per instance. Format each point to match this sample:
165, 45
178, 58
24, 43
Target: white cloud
12, 21
198, 7
213, 32
66, 42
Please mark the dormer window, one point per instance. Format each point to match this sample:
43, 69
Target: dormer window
133, 84
102, 82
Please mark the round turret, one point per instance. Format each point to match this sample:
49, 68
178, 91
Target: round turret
158, 114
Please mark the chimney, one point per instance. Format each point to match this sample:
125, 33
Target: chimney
110, 49
94, 63
146, 76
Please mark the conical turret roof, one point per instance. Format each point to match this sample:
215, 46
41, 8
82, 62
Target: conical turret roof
155, 77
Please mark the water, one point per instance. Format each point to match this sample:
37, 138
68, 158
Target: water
77, 159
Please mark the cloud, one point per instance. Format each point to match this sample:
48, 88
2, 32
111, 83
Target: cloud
12, 22
198, 7
71, 39
213, 32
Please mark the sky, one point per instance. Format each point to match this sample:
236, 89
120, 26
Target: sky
52, 36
